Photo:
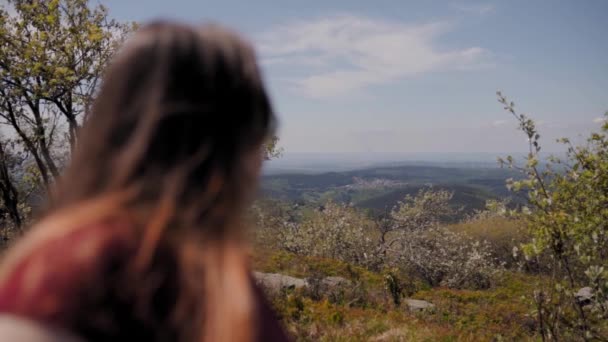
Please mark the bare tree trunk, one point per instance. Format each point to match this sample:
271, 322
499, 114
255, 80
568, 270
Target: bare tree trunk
42, 141
8, 191
68, 112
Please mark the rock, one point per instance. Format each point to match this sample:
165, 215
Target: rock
335, 282
584, 295
418, 305
395, 334
276, 282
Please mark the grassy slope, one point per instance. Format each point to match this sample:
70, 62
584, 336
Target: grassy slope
460, 315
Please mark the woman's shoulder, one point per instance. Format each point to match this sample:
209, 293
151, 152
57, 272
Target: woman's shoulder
269, 326
41, 275
14, 328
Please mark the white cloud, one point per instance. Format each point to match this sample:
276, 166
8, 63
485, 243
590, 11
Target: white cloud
498, 123
599, 120
346, 53
475, 8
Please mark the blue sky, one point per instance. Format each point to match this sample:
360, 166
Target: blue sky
416, 76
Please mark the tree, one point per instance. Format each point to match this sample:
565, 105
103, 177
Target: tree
52, 55
8, 191
568, 221
335, 231
413, 239
421, 212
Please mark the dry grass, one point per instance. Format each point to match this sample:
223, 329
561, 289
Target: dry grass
502, 233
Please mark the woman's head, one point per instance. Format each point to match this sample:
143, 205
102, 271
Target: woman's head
177, 134
180, 119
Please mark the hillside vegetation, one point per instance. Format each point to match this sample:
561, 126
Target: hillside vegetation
364, 310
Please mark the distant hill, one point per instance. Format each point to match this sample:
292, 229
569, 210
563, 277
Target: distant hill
378, 188
339, 162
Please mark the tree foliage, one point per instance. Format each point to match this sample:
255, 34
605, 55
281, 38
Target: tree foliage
568, 221
52, 56
272, 149
334, 231
418, 242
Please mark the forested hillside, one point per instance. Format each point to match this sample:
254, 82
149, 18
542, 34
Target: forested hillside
380, 189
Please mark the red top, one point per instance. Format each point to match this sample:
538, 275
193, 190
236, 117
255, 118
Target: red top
76, 283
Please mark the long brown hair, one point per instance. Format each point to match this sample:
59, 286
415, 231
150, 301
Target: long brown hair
180, 115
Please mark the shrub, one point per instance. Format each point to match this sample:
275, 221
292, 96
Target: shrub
410, 238
333, 231
413, 239
273, 221
568, 219
394, 286
502, 231
442, 257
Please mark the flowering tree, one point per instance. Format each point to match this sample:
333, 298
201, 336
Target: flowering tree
411, 239
334, 231
416, 241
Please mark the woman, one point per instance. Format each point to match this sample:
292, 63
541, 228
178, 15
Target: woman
143, 240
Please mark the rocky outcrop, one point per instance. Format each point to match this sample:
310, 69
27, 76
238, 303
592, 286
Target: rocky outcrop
276, 281
419, 305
